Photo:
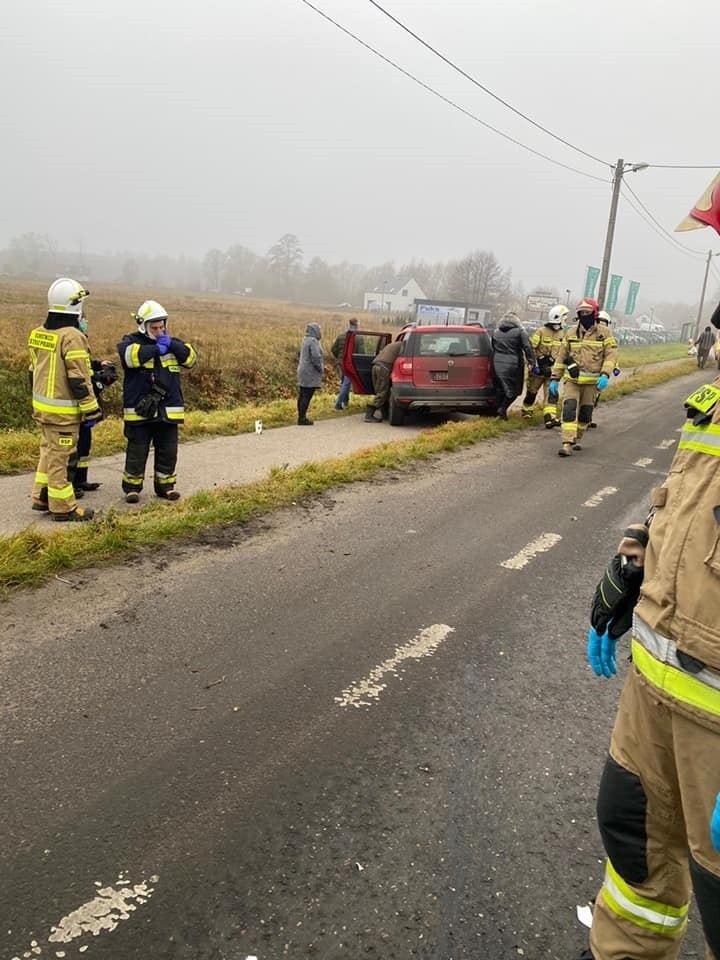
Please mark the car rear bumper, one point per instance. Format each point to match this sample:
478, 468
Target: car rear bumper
411, 398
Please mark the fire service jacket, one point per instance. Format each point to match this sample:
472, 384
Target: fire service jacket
594, 351
60, 368
546, 342
146, 369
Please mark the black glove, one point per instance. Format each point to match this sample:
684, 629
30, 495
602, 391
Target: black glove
616, 596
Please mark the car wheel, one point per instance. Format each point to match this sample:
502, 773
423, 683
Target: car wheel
396, 414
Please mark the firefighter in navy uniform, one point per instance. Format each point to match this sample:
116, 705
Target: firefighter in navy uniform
659, 800
152, 400
585, 362
63, 399
546, 342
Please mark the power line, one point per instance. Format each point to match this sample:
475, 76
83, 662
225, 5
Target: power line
661, 232
485, 89
685, 166
655, 220
446, 100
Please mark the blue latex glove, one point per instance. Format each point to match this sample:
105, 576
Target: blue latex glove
715, 825
553, 390
163, 342
601, 655
535, 370
90, 423
616, 371
602, 381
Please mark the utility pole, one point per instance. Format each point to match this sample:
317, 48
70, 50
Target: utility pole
617, 181
710, 255
620, 168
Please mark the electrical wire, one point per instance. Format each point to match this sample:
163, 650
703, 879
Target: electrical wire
674, 239
661, 232
485, 89
685, 166
451, 103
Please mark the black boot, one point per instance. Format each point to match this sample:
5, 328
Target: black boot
370, 414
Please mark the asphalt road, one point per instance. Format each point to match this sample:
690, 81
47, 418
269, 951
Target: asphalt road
363, 728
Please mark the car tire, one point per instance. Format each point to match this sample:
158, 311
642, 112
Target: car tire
396, 414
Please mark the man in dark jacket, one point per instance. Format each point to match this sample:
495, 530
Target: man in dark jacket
337, 350
510, 344
704, 343
152, 400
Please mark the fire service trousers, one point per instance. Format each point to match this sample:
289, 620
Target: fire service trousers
58, 445
577, 409
657, 794
163, 437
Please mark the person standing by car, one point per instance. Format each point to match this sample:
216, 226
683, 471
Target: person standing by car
546, 342
585, 363
658, 806
510, 343
381, 370
62, 398
152, 400
309, 371
337, 350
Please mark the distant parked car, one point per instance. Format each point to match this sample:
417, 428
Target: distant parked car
443, 369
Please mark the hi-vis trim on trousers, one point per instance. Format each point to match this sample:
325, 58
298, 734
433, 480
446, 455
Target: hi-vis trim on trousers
652, 915
701, 439
656, 657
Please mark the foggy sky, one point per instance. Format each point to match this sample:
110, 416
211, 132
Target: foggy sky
168, 126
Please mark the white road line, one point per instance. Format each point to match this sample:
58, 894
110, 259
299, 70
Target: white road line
665, 444
362, 694
541, 544
643, 462
597, 498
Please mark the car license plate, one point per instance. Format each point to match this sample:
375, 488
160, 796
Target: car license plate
439, 375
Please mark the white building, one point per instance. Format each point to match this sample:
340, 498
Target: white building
397, 295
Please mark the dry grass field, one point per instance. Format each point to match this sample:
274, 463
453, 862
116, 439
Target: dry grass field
248, 348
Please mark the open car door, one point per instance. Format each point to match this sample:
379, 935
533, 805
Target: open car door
361, 348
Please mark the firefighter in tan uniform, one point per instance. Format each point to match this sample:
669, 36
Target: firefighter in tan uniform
585, 362
63, 398
546, 342
659, 799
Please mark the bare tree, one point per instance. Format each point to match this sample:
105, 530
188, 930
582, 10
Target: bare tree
478, 278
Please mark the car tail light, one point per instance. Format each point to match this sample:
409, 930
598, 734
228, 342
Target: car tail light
405, 367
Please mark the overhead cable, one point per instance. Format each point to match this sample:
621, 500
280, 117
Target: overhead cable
451, 103
660, 232
485, 89
655, 220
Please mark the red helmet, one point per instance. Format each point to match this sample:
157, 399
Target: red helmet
588, 305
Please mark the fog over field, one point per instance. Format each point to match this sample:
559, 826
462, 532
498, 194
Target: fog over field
173, 127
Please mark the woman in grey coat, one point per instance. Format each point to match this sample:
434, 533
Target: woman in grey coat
309, 371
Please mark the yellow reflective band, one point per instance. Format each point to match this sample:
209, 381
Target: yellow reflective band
652, 915
77, 355
41, 478
703, 439
705, 398
680, 685
61, 493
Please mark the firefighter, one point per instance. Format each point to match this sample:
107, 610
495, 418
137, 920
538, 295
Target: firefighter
152, 400
546, 342
585, 362
63, 399
659, 798
604, 318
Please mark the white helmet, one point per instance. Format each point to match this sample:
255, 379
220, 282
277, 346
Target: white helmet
66, 296
604, 317
557, 315
149, 311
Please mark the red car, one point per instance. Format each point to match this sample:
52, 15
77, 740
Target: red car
442, 369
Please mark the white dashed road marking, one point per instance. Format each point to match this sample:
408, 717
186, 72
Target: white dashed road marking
643, 462
362, 694
597, 498
665, 444
541, 544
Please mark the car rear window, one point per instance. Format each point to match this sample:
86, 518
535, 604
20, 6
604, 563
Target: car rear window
451, 344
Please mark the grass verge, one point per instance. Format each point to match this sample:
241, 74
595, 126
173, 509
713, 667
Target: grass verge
30, 558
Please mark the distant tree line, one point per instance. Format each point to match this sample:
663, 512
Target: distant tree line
281, 273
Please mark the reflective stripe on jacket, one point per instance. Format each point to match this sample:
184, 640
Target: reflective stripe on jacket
143, 366
680, 595
61, 373
594, 351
